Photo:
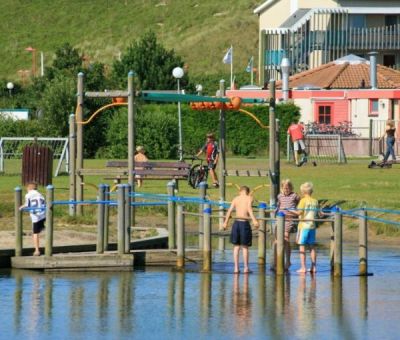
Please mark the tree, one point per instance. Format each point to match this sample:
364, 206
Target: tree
152, 64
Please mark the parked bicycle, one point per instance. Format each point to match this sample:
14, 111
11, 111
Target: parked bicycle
198, 172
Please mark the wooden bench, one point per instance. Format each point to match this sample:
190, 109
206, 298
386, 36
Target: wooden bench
151, 170
247, 173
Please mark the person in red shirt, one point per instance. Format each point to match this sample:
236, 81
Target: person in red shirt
212, 152
296, 133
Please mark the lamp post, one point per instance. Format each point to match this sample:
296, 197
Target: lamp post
10, 87
33, 50
285, 67
199, 89
178, 73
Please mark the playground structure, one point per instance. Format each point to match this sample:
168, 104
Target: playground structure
128, 98
124, 254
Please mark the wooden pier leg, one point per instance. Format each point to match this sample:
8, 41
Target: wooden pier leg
207, 255
106, 216
280, 245
363, 243
337, 262
18, 221
180, 256
171, 216
121, 218
332, 246
221, 214
128, 216
261, 235
72, 164
100, 220
202, 195
49, 220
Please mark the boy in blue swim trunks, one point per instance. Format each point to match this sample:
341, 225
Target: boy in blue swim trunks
308, 211
241, 236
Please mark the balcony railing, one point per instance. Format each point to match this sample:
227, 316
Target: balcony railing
376, 38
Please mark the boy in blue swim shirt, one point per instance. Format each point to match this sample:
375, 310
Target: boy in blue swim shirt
308, 211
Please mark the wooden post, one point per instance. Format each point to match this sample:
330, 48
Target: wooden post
18, 221
171, 215
337, 262
100, 220
72, 164
222, 166
207, 255
106, 216
202, 195
49, 220
261, 235
272, 147
180, 255
131, 139
280, 246
127, 218
332, 246
79, 142
277, 168
121, 218
363, 243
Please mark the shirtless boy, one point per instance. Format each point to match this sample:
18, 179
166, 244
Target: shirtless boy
241, 235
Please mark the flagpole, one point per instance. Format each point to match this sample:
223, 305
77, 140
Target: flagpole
231, 67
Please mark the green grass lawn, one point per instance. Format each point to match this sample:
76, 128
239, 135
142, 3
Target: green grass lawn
352, 185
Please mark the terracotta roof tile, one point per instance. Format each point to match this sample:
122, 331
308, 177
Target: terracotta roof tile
344, 76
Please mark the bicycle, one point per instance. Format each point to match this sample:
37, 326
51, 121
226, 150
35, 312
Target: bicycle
198, 172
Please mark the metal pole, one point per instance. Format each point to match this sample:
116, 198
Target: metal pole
171, 215
100, 220
127, 218
277, 168
207, 255
280, 246
202, 196
180, 151
363, 243
18, 221
131, 138
262, 245
79, 142
49, 220
337, 262
272, 148
106, 216
72, 164
371, 122
222, 165
339, 150
121, 218
332, 246
180, 254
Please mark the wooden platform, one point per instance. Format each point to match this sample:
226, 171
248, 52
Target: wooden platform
89, 261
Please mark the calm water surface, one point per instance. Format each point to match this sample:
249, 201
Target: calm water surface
161, 304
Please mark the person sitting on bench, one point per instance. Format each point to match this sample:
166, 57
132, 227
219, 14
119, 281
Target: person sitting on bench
140, 157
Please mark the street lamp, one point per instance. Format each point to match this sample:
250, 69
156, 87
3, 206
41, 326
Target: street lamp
178, 73
10, 87
199, 89
285, 67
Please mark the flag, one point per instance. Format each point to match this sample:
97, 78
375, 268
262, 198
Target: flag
249, 67
228, 57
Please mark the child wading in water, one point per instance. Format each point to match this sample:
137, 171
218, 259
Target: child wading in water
241, 235
34, 199
307, 212
287, 203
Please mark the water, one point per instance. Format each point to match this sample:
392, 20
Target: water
162, 304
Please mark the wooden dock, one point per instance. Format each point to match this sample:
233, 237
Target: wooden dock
89, 261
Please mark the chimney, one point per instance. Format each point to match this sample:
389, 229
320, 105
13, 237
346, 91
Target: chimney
372, 69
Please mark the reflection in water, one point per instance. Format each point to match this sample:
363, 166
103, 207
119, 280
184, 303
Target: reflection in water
103, 303
76, 317
242, 306
18, 302
306, 308
48, 302
125, 301
364, 297
205, 300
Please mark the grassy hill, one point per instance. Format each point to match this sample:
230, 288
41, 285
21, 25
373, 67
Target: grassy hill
199, 30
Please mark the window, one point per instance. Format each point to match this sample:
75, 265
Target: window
390, 20
357, 20
324, 114
389, 60
373, 107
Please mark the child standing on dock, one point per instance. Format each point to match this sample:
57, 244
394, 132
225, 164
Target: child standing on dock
36, 202
307, 212
287, 203
241, 236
